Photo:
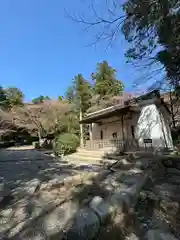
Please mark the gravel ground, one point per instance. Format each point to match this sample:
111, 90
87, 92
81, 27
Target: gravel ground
22, 169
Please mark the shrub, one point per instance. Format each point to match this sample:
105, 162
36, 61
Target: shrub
47, 144
36, 145
66, 143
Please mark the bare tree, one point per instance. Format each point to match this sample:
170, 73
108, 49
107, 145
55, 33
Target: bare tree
43, 118
108, 21
171, 97
5, 119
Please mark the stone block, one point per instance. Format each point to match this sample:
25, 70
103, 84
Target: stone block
119, 201
57, 218
74, 180
32, 186
126, 198
156, 234
132, 236
84, 226
104, 210
173, 171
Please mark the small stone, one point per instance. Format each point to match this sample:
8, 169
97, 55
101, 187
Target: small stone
159, 235
103, 209
84, 226
132, 236
96, 201
32, 187
7, 212
119, 200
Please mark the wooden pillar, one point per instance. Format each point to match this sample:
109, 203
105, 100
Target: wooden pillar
90, 132
123, 137
81, 130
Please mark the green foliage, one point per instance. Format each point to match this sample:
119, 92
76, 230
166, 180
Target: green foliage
69, 94
36, 145
40, 99
152, 28
68, 123
105, 82
3, 98
82, 93
60, 119
79, 93
14, 96
60, 98
66, 143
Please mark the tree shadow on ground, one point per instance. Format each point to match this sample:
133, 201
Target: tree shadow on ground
38, 220
105, 185
148, 212
20, 210
20, 166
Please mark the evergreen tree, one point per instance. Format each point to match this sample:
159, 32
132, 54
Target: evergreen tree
3, 98
69, 94
152, 29
60, 98
82, 93
14, 96
40, 99
105, 82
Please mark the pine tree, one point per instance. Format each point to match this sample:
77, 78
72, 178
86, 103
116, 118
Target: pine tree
3, 98
82, 93
105, 82
69, 95
14, 96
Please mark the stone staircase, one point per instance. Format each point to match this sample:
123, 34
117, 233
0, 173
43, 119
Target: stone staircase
89, 156
103, 156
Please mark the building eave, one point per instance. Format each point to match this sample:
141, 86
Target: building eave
106, 114
130, 105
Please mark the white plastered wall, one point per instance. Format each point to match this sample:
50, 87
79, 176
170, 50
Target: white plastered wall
153, 124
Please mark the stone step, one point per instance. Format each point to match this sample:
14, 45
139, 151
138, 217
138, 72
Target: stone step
173, 171
82, 158
171, 161
90, 154
95, 151
88, 160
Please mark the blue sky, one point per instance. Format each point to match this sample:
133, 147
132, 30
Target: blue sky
41, 49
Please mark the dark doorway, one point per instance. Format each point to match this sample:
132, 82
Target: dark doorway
114, 135
101, 134
132, 131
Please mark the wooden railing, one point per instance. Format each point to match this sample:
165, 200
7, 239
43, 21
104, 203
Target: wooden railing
114, 144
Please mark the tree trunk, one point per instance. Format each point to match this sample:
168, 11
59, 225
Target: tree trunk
40, 138
172, 110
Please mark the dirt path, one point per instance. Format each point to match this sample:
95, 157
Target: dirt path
22, 170
22, 164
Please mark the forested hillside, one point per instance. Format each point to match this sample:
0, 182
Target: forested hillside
58, 118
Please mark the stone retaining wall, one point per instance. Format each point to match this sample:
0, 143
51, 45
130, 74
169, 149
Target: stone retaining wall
87, 221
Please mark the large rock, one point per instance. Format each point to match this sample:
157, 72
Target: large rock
132, 236
57, 220
51, 223
104, 210
159, 235
173, 171
84, 226
166, 191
